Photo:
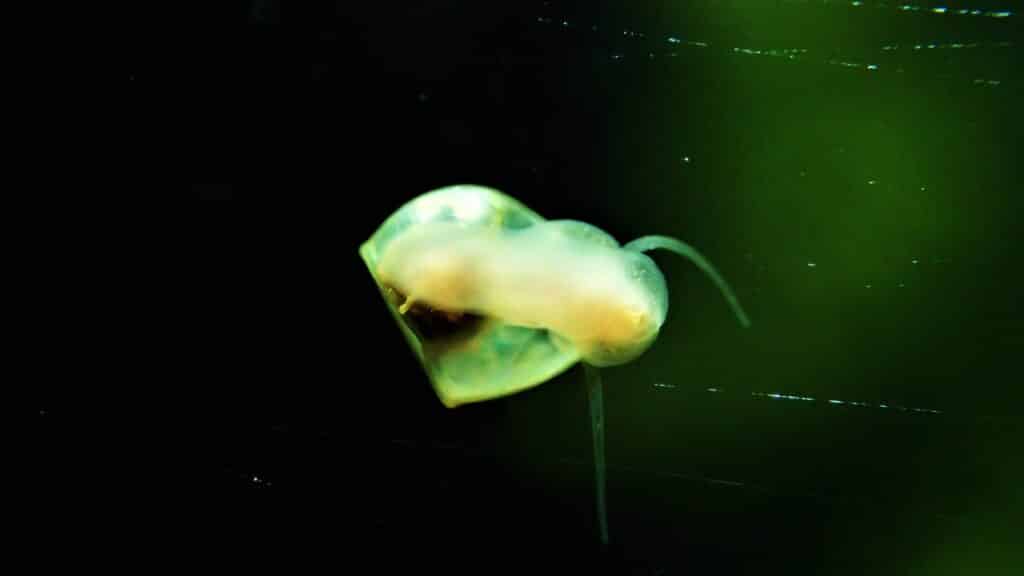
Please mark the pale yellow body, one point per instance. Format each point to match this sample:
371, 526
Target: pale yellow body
591, 294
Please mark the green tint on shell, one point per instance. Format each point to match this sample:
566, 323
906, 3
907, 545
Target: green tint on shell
489, 359
494, 299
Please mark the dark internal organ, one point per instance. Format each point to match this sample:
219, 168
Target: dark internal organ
432, 323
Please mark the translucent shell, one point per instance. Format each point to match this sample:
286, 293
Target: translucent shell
494, 299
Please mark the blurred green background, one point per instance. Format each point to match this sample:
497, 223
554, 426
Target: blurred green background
852, 169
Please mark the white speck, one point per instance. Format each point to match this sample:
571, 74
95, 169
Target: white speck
835, 401
872, 67
686, 159
914, 261
872, 182
713, 390
867, 285
811, 264
901, 285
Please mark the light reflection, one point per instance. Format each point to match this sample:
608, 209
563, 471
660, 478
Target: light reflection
259, 480
776, 396
834, 402
907, 7
802, 54
812, 400
949, 46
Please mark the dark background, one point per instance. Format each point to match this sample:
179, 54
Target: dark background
290, 428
